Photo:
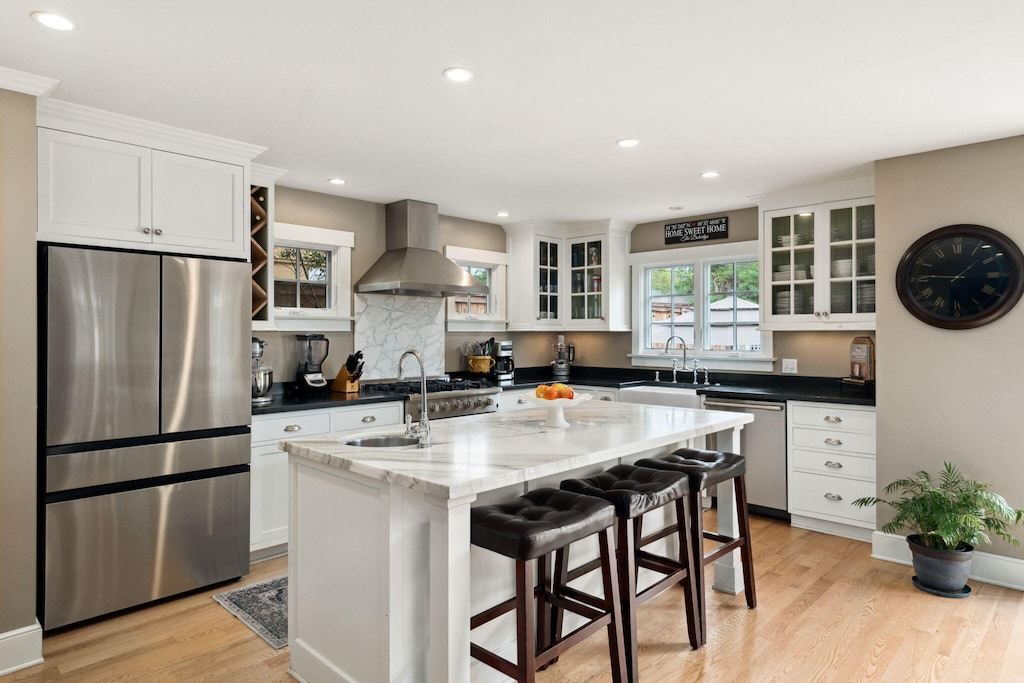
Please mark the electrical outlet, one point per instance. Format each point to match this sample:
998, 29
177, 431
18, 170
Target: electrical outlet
789, 366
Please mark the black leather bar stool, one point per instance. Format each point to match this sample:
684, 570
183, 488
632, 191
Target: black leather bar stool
528, 529
705, 469
635, 491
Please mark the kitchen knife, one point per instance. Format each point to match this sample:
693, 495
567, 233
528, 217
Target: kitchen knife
351, 363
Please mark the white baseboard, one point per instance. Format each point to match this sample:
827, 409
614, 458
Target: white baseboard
995, 569
21, 648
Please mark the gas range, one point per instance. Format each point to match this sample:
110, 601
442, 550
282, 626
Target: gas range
445, 397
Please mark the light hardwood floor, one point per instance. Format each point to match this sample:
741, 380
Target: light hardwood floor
826, 612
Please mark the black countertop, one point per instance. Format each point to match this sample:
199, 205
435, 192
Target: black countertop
725, 385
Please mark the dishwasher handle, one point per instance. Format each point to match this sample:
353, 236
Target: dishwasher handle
745, 406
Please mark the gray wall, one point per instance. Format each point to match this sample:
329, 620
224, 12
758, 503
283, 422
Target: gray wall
17, 361
950, 394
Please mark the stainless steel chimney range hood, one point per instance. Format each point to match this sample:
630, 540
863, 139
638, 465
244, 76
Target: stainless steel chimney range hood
413, 264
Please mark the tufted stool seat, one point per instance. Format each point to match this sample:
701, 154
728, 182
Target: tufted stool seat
634, 491
704, 469
528, 529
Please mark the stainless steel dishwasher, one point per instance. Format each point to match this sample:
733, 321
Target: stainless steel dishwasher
763, 443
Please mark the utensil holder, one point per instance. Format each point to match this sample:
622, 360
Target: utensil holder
344, 383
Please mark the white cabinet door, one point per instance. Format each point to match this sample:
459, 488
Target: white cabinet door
198, 204
93, 189
268, 514
516, 399
106, 193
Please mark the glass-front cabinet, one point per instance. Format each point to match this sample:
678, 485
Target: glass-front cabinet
820, 266
578, 274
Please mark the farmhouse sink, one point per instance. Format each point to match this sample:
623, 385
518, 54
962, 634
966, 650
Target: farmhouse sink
382, 441
676, 395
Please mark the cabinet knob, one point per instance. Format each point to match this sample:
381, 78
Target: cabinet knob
369, 418
606, 398
158, 231
833, 464
146, 231
293, 428
833, 418
833, 442
833, 496
521, 400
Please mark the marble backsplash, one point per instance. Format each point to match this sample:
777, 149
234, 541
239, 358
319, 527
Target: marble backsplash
387, 325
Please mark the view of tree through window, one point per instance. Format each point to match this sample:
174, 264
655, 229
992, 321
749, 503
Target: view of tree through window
302, 278
733, 303
475, 304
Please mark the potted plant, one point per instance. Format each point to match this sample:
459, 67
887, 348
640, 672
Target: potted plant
947, 518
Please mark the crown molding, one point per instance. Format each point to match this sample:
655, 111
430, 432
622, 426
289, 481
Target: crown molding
76, 118
24, 82
261, 174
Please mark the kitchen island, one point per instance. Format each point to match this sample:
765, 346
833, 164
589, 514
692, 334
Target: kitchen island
382, 579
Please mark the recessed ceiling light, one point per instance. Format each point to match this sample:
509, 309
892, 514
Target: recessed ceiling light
503, 214
336, 181
627, 142
710, 174
805, 214
458, 73
54, 21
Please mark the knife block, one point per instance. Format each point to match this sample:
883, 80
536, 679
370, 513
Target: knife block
344, 384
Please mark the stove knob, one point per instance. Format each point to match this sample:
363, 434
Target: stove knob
481, 402
432, 408
488, 401
458, 404
444, 406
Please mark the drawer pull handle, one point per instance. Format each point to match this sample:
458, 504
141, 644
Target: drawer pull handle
293, 428
369, 418
521, 400
833, 442
833, 464
606, 398
833, 418
833, 496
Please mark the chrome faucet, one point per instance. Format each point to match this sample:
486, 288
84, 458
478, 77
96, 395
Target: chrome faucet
675, 358
422, 430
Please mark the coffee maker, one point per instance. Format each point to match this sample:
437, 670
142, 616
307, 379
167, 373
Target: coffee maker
565, 354
312, 352
503, 370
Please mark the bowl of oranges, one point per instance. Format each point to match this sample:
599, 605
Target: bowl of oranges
556, 397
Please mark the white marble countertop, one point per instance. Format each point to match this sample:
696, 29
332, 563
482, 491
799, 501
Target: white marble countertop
480, 453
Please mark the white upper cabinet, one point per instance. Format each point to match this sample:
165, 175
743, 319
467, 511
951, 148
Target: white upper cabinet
112, 180
568, 276
818, 266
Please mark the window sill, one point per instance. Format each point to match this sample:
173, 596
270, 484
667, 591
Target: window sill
744, 364
286, 323
478, 325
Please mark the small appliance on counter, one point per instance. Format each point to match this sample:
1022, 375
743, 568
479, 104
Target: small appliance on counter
262, 375
503, 371
565, 354
312, 352
862, 365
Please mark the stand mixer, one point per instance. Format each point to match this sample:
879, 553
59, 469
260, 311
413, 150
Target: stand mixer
262, 375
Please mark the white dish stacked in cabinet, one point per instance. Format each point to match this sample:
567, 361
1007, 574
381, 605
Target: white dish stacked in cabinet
831, 464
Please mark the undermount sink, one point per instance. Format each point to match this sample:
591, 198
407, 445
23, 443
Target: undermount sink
676, 396
382, 441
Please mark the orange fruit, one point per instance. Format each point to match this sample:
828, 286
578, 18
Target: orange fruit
541, 391
565, 391
550, 393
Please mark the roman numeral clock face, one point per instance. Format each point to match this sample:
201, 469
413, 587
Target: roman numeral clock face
960, 276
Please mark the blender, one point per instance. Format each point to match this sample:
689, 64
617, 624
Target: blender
312, 352
565, 354
262, 375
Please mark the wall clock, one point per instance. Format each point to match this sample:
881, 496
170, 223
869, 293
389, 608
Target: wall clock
960, 276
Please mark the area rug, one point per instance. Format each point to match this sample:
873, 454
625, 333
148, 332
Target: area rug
263, 607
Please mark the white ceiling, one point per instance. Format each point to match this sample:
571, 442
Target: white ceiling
774, 95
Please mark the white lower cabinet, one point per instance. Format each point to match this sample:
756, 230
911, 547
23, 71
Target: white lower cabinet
515, 399
599, 393
831, 463
268, 519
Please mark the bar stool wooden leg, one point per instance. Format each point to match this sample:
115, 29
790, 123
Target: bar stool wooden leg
696, 521
746, 556
693, 568
625, 564
616, 640
527, 643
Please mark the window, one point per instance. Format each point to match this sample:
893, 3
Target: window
312, 274
479, 312
706, 299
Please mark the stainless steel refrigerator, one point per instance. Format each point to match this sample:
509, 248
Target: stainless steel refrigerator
144, 425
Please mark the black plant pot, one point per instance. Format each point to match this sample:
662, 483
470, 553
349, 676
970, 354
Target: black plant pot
940, 572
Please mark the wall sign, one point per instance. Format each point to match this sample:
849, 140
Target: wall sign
697, 231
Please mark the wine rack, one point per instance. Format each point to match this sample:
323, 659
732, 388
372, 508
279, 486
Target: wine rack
259, 238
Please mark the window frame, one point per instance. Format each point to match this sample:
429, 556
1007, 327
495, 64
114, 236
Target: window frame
339, 243
702, 258
497, 263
